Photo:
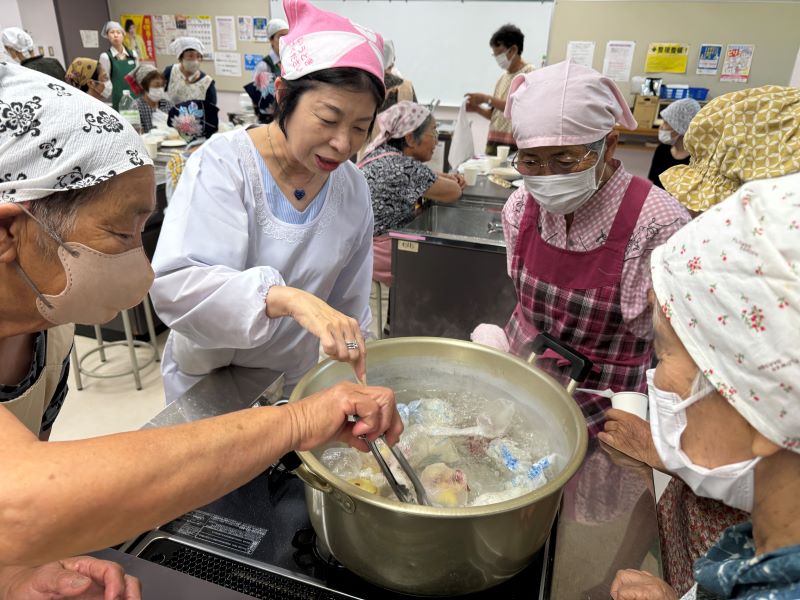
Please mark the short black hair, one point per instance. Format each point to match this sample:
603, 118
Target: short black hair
148, 79
349, 78
508, 35
128, 24
400, 143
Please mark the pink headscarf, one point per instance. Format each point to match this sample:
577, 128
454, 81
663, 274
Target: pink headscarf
563, 105
319, 39
397, 121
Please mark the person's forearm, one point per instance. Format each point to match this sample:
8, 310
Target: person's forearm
120, 485
498, 104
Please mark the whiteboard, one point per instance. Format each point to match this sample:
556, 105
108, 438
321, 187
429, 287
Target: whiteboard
443, 47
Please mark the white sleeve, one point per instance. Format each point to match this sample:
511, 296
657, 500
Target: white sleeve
350, 293
106, 62
202, 288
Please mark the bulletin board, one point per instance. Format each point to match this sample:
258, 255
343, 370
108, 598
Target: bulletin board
442, 46
771, 26
201, 18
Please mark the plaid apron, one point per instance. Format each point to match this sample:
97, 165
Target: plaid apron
575, 297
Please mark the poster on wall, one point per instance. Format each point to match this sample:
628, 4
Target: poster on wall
251, 61
736, 66
666, 58
139, 36
709, 58
245, 25
260, 29
618, 60
581, 53
200, 27
228, 64
226, 33
90, 38
164, 31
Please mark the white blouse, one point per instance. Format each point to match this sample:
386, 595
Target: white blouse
221, 249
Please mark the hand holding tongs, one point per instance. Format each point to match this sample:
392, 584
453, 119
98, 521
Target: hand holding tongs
401, 491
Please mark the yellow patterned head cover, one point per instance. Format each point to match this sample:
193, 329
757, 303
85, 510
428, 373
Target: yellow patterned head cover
739, 137
80, 72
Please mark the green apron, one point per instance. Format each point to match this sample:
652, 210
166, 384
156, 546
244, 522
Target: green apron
119, 68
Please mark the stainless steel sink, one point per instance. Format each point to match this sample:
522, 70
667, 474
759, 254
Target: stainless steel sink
474, 223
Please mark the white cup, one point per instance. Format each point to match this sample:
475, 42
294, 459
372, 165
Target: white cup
502, 152
493, 162
151, 143
471, 175
632, 402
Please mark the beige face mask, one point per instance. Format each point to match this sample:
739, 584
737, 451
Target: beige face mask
98, 285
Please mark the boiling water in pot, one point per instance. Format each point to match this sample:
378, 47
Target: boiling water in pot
469, 449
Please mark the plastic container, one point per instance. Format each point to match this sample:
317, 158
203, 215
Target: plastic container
698, 93
129, 110
674, 92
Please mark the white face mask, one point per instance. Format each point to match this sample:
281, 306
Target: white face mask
191, 66
731, 484
107, 89
157, 93
665, 137
503, 61
564, 194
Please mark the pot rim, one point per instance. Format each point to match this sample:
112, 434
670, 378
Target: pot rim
554, 486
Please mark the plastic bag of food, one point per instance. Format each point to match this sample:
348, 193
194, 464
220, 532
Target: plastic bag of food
445, 486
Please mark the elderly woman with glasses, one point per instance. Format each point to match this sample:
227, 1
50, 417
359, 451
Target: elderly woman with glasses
579, 233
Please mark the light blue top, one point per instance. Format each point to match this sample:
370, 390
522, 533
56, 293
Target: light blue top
280, 206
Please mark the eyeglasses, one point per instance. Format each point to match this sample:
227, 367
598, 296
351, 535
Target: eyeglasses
560, 165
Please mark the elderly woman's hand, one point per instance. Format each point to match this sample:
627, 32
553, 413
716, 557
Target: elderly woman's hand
325, 416
82, 577
631, 435
630, 584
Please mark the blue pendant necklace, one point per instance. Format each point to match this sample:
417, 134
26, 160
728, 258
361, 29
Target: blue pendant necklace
300, 192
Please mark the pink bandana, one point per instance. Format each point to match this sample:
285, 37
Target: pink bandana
319, 39
397, 121
565, 104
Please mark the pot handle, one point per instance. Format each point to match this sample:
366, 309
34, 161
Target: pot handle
580, 365
292, 462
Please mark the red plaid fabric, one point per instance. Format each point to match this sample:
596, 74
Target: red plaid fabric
576, 297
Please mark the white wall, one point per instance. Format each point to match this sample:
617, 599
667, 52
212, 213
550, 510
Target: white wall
9, 14
39, 19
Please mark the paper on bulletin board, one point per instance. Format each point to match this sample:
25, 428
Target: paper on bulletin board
90, 38
260, 29
245, 25
228, 64
164, 31
666, 58
709, 58
618, 60
581, 53
251, 61
226, 33
738, 59
142, 39
200, 27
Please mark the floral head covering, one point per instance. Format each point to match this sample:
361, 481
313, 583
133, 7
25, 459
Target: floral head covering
194, 119
136, 77
741, 136
398, 121
729, 283
54, 138
80, 72
319, 40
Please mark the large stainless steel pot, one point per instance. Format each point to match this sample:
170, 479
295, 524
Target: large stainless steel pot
439, 551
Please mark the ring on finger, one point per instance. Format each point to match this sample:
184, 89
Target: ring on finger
352, 345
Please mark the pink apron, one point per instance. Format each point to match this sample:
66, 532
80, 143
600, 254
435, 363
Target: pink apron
575, 297
381, 245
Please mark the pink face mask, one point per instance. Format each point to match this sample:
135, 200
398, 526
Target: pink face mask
98, 285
